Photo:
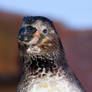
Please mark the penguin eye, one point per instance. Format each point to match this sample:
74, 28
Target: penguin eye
45, 31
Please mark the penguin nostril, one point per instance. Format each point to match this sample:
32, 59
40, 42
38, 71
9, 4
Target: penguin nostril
31, 30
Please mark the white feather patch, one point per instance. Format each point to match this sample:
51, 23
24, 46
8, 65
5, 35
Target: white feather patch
53, 84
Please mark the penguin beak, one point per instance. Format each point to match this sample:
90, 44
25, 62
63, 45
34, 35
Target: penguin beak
35, 39
28, 35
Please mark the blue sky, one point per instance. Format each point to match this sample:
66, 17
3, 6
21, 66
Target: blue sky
74, 13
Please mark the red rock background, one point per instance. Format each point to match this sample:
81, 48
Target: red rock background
77, 45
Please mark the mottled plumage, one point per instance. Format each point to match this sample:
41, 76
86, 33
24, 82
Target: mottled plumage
43, 59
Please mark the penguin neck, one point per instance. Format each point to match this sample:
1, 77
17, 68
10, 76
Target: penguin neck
40, 67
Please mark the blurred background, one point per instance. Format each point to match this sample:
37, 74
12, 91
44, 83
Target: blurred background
73, 21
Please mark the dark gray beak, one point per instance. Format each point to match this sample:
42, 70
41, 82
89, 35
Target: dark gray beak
26, 33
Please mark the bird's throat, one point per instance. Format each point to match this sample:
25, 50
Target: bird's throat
39, 66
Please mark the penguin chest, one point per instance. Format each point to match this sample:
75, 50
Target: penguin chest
54, 84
